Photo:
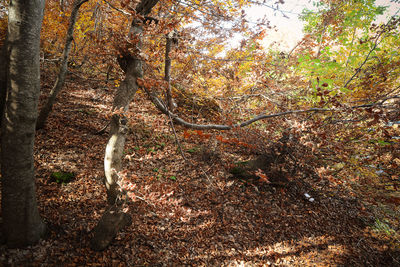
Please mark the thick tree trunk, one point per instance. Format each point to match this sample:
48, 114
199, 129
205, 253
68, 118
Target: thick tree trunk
22, 224
46, 109
3, 78
114, 218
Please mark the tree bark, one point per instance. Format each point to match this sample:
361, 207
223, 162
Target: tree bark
46, 109
119, 127
3, 78
22, 224
167, 71
114, 218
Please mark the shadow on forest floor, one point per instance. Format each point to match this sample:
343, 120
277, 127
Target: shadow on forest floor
182, 217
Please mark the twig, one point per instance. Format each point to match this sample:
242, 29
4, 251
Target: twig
365, 61
177, 139
377, 42
102, 130
119, 10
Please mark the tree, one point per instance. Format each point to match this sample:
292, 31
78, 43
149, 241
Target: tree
114, 218
22, 224
44, 112
131, 60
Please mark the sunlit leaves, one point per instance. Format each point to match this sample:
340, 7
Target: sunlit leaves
348, 43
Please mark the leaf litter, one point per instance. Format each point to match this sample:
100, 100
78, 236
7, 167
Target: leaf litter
190, 219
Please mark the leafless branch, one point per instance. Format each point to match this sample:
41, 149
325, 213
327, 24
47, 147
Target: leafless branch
162, 107
116, 8
378, 40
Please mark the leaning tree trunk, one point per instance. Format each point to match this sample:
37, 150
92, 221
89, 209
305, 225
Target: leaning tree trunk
114, 218
45, 111
22, 224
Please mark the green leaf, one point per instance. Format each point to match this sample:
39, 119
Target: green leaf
62, 177
345, 90
192, 150
383, 143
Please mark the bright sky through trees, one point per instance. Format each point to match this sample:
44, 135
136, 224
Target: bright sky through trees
288, 26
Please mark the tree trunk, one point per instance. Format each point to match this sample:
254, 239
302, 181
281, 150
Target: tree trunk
167, 71
22, 224
114, 218
46, 109
3, 78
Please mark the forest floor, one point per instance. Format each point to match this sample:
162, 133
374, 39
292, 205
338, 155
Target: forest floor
187, 211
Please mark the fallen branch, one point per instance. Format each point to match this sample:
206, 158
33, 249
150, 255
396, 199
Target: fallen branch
160, 105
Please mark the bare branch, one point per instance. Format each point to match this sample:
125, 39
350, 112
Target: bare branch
159, 104
365, 61
162, 107
116, 8
376, 43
